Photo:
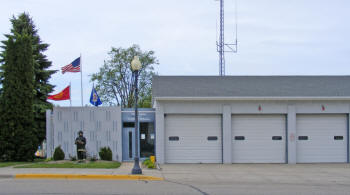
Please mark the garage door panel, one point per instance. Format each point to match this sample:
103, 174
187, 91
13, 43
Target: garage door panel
321, 145
258, 145
193, 145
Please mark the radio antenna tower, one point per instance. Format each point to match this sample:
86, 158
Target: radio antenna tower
221, 46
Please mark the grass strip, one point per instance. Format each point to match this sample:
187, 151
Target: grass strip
8, 164
89, 165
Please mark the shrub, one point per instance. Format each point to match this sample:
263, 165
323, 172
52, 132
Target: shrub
58, 154
93, 158
149, 164
105, 153
73, 158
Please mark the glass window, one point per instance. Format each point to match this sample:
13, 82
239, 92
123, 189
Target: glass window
129, 124
212, 138
303, 137
338, 137
146, 139
173, 138
239, 138
276, 137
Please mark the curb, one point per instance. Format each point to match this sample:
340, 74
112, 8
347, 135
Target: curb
6, 176
80, 176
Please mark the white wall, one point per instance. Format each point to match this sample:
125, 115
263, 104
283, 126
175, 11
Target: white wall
227, 108
101, 127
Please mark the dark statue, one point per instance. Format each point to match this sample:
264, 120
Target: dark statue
80, 141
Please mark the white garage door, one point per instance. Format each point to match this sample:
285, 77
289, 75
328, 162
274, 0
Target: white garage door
193, 139
258, 138
321, 138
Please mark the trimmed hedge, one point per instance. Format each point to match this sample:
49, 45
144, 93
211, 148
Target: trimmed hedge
105, 153
58, 154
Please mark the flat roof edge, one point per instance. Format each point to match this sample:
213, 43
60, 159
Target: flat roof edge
253, 98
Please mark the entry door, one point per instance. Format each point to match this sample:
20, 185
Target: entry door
258, 139
322, 138
128, 144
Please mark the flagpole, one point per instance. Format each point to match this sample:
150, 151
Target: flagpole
81, 81
70, 97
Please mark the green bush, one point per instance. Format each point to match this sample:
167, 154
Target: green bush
58, 154
149, 164
105, 153
93, 158
73, 158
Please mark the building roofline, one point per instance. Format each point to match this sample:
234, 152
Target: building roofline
251, 98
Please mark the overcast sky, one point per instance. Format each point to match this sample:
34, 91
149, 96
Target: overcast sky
295, 37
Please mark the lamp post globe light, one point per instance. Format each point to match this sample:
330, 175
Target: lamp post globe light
135, 67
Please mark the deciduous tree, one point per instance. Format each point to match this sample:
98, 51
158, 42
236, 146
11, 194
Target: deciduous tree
114, 82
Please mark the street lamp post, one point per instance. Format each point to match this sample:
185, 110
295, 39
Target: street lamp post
135, 67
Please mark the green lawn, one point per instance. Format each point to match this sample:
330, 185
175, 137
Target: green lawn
87, 165
8, 164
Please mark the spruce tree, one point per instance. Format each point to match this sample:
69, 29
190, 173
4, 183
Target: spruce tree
18, 139
24, 24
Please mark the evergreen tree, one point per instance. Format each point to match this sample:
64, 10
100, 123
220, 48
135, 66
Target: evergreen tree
18, 138
24, 24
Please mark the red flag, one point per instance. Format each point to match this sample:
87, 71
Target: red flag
63, 95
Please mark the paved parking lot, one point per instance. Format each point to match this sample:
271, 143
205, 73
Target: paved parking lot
262, 178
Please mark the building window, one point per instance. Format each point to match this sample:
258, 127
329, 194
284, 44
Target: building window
239, 138
276, 137
338, 137
212, 138
128, 125
303, 138
173, 138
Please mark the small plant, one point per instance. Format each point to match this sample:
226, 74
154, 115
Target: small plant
58, 154
105, 153
149, 164
48, 159
73, 158
93, 158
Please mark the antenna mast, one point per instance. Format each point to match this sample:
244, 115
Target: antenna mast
220, 45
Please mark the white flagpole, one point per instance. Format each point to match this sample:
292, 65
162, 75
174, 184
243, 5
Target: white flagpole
70, 97
81, 81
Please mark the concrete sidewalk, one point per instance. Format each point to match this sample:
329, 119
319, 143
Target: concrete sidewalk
123, 171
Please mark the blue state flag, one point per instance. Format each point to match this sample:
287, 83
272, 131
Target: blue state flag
94, 99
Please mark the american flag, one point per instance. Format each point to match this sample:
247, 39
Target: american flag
72, 67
